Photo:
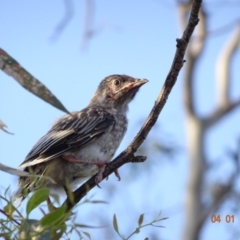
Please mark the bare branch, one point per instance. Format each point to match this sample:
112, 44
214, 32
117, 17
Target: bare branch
195, 49
88, 29
128, 155
223, 67
221, 112
223, 29
225, 104
69, 12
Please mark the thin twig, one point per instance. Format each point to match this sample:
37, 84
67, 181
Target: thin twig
89, 22
223, 73
68, 15
11, 218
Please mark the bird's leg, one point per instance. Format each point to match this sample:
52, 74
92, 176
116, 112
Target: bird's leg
101, 166
73, 159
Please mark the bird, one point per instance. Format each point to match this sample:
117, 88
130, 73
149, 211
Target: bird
81, 143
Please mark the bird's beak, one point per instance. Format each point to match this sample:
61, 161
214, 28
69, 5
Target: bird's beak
136, 84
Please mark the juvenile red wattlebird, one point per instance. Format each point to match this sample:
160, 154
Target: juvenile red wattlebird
80, 144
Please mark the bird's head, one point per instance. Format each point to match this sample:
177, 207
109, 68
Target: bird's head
117, 91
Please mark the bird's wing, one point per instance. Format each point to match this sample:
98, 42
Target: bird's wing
69, 133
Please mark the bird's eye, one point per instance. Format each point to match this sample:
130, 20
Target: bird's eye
116, 82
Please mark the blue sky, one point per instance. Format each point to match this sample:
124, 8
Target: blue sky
139, 40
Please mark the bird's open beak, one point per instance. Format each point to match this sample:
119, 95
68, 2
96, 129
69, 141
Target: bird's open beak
136, 84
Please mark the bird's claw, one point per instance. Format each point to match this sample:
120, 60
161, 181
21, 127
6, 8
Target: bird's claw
98, 179
99, 176
117, 175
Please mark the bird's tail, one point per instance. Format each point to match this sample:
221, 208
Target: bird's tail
19, 196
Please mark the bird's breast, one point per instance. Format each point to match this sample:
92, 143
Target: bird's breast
103, 148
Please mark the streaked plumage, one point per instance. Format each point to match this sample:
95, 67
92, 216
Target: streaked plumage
82, 142
69, 134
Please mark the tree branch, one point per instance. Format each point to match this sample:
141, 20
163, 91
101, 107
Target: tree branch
223, 29
225, 104
223, 67
193, 53
69, 13
221, 112
89, 31
128, 155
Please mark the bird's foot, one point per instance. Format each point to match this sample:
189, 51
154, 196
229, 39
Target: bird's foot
101, 167
116, 174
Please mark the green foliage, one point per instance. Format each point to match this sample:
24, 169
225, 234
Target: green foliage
30, 228
36, 199
55, 224
139, 227
58, 215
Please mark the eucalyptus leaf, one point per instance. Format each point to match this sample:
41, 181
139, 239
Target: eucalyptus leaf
115, 225
53, 217
36, 199
11, 67
140, 220
87, 234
